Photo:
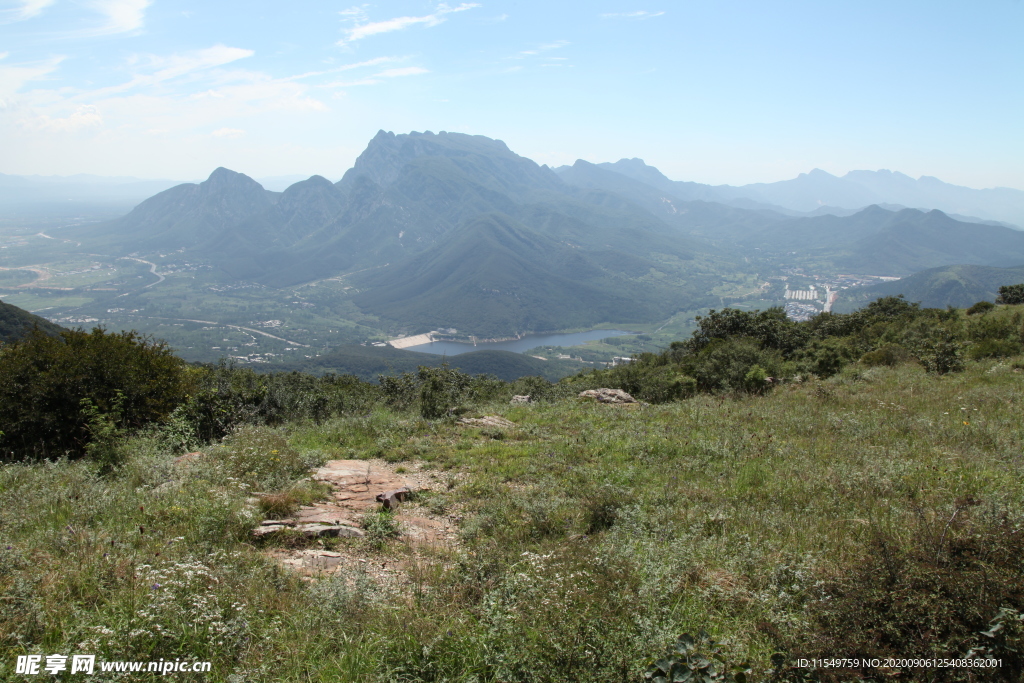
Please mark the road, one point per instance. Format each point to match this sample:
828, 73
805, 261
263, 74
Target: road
152, 269
236, 327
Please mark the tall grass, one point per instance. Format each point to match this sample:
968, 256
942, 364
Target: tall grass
591, 536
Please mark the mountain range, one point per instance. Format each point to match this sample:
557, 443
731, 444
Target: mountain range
452, 230
819, 192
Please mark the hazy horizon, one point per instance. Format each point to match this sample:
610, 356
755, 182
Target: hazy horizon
718, 93
296, 177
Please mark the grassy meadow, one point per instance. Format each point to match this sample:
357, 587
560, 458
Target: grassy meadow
875, 513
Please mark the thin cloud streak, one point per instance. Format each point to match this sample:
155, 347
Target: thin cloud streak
28, 10
542, 48
406, 71
347, 67
365, 30
640, 14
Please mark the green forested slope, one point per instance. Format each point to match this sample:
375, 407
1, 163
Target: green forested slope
369, 362
958, 286
494, 277
17, 323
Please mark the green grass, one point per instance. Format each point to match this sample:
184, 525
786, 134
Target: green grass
591, 535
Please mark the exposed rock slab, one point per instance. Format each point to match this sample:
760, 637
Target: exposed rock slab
358, 487
488, 421
608, 395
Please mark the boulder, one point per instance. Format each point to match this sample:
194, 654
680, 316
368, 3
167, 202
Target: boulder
333, 530
608, 395
519, 399
391, 499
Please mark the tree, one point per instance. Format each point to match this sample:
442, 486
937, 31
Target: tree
1011, 294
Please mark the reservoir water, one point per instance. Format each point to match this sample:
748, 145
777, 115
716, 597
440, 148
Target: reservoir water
517, 345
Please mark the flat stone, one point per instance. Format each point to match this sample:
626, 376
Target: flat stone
333, 531
488, 421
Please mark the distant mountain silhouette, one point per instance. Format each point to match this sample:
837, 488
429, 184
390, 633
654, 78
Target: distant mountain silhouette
819, 190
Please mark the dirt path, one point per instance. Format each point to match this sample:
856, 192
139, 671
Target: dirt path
355, 485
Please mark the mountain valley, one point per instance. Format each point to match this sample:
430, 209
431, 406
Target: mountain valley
458, 236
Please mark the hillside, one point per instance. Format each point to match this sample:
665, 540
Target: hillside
369, 362
16, 323
183, 217
958, 286
494, 276
877, 241
871, 487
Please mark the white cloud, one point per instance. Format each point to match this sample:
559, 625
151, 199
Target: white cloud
121, 16
406, 71
542, 48
153, 69
640, 14
181, 64
352, 84
364, 29
230, 133
84, 116
345, 67
15, 76
4, 55
27, 10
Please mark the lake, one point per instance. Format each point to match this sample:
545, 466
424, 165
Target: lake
517, 345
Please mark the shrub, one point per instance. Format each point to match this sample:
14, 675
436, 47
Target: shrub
1011, 294
887, 354
259, 458
981, 308
931, 591
994, 348
43, 381
695, 659
441, 390
724, 365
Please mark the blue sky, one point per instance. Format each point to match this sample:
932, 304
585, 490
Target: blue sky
724, 91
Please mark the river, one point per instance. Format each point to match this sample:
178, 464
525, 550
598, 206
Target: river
517, 345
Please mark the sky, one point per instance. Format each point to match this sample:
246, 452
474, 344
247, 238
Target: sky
714, 91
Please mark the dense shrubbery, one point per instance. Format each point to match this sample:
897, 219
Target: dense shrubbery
127, 379
1011, 294
743, 351
932, 589
79, 393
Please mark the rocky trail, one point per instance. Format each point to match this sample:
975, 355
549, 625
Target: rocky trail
357, 489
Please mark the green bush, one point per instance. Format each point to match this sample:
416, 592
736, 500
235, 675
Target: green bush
43, 381
981, 308
1011, 294
887, 354
931, 591
441, 390
994, 348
